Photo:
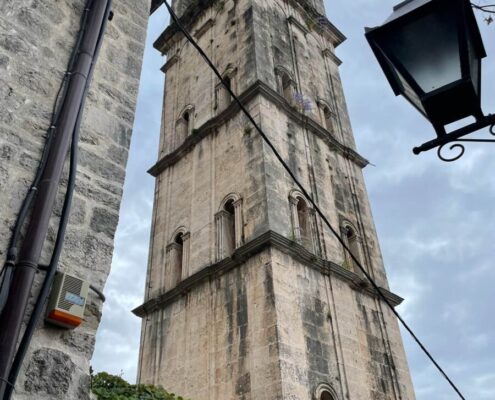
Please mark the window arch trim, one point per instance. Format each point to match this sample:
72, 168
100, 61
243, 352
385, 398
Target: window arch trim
179, 231
230, 71
322, 103
235, 197
189, 108
323, 388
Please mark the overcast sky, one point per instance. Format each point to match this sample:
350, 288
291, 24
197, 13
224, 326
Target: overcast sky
435, 220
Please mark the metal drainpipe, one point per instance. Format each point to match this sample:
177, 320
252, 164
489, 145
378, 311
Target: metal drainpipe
29, 256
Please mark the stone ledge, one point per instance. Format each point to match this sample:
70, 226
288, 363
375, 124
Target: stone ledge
258, 88
242, 254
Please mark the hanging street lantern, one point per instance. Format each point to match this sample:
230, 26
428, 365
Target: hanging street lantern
431, 52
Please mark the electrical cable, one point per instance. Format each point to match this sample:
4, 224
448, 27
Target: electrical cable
178, 23
64, 219
9, 265
488, 8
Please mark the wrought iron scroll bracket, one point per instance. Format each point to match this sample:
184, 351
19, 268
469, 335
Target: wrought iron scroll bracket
461, 147
453, 141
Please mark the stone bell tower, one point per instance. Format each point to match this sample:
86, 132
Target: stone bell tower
249, 296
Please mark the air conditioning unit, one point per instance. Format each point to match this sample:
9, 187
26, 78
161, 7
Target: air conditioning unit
67, 301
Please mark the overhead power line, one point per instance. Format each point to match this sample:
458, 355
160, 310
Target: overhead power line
310, 198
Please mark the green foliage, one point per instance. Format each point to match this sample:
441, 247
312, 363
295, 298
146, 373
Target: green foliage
111, 387
347, 265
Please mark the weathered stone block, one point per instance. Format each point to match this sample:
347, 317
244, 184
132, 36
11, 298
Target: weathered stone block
50, 372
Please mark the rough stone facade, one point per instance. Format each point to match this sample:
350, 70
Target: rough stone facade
249, 296
36, 38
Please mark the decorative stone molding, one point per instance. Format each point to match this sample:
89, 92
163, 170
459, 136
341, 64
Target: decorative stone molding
297, 24
170, 63
331, 55
204, 28
258, 88
268, 239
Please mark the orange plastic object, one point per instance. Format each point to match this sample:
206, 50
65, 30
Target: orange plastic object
64, 319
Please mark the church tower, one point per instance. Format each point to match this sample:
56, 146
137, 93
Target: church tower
248, 294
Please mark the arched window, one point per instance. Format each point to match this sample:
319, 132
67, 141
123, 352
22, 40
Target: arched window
303, 221
229, 226
223, 97
286, 85
177, 264
326, 117
353, 243
177, 259
303, 216
184, 125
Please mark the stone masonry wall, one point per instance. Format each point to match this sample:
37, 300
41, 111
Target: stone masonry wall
218, 341
36, 38
330, 332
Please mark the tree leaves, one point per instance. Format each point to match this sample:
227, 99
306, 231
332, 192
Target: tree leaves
111, 387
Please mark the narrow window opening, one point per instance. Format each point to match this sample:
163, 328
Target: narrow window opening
353, 244
177, 262
229, 227
186, 122
228, 84
223, 95
228, 223
287, 91
328, 119
302, 213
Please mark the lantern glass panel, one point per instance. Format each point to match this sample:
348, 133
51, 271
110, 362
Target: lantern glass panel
406, 89
428, 49
474, 63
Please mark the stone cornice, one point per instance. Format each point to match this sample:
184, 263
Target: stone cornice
243, 253
330, 54
170, 63
258, 88
323, 25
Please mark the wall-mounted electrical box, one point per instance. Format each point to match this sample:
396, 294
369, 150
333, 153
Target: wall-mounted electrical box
67, 301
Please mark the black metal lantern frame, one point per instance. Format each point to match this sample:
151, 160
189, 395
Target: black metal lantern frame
405, 51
